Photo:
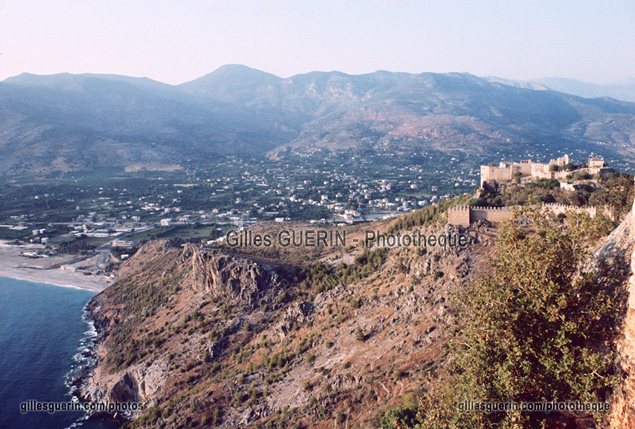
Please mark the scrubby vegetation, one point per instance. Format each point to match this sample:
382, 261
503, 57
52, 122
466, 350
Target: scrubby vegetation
533, 330
320, 277
426, 216
617, 191
140, 299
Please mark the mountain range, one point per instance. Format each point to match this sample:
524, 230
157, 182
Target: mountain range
623, 90
81, 122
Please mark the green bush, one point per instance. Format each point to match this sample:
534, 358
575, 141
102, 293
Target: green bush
533, 330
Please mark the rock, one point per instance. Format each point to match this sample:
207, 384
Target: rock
297, 312
232, 279
125, 390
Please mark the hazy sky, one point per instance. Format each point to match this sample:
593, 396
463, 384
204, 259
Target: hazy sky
176, 41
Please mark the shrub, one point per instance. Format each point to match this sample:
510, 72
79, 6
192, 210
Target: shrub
359, 334
537, 330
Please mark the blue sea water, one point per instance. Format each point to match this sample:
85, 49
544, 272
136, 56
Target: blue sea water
41, 332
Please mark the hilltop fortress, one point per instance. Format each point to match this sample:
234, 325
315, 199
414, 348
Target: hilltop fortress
528, 170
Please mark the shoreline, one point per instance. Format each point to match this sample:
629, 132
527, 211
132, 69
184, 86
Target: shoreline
90, 288
15, 266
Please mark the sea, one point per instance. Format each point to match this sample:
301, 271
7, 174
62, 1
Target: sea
45, 342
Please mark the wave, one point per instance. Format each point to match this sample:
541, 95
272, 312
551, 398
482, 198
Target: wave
84, 362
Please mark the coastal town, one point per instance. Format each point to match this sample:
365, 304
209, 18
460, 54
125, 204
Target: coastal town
106, 223
103, 221
121, 217
235, 193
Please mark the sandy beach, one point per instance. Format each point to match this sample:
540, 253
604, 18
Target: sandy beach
47, 270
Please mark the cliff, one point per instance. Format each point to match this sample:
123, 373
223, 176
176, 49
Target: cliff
207, 338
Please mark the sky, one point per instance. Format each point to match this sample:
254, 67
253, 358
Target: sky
180, 40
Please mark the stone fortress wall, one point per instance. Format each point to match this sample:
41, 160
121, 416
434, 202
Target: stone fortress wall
465, 215
505, 171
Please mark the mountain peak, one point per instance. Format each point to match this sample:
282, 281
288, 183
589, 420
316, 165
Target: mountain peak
230, 77
239, 68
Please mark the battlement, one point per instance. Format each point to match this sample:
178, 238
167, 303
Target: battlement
492, 208
465, 215
564, 206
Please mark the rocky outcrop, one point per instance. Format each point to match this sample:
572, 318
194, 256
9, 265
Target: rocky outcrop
230, 278
622, 404
615, 249
125, 390
297, 313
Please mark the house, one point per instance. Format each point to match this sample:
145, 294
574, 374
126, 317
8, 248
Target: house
596, 163
598, 166
126, 244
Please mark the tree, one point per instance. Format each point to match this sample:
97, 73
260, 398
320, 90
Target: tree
582, 175
537, 323
568, 167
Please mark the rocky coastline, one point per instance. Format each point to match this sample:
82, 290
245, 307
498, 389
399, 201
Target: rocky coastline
86, 362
